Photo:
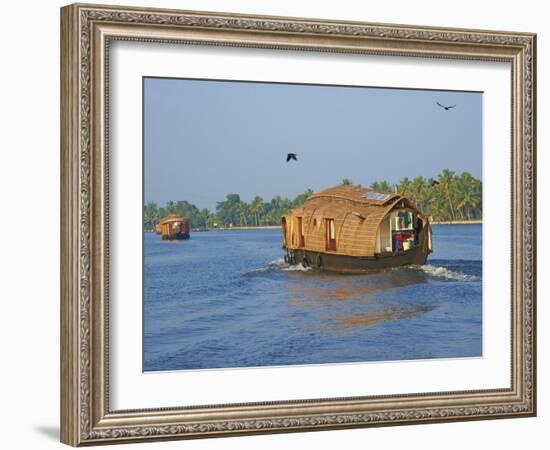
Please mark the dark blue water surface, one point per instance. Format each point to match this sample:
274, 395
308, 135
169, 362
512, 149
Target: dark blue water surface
227, 299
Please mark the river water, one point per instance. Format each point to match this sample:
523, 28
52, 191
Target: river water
226, 299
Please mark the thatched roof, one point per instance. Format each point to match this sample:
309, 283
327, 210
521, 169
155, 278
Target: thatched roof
357, 214
173, 217
357, 194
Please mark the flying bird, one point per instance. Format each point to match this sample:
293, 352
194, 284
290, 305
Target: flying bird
291, 156
434, 182
446, 107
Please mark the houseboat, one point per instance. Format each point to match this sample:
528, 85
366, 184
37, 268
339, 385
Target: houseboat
356, 230
174, 227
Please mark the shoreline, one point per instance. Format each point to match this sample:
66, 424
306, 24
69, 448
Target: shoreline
274, 227
457, 222
262, 227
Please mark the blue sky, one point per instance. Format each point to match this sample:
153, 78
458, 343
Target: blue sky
205, 139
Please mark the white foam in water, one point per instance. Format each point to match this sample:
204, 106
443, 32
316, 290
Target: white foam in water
296, 268
435, 271
442, 272
280, 264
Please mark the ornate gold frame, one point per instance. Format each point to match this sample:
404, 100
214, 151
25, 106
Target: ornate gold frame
86, 31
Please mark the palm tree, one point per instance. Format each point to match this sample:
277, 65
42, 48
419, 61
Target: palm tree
382, 186
449, 197
445, 199
150, 215
429, 195
418, 186
276, 203
171, 206
465, 204
227, 211
204, 218
404, 187
468, 194
242, 209
301, 198
256, 208
446, 179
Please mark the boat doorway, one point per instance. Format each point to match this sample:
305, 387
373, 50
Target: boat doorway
330, 235
301, 236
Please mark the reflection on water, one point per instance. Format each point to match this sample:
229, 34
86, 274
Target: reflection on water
227, 299
366, 319
362, 291
321, 286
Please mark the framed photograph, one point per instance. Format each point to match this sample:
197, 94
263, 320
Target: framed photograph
275, 224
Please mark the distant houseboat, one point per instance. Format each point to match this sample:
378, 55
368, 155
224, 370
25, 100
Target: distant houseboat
174, 227
353, 229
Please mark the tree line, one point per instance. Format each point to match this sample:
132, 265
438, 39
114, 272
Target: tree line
230, 212
450, 196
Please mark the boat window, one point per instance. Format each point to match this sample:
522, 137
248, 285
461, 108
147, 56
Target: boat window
330, 235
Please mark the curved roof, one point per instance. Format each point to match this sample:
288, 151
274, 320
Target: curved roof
357, 213
357, 194
173, 217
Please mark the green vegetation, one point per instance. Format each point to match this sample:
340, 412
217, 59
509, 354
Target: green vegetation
231, 211
447, 197
346, 182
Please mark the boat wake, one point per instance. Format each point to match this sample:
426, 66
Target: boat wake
447, 274
279, 265
436, 271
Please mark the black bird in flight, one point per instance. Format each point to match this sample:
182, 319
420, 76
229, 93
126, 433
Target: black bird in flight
446, 107
291, 156
434, 182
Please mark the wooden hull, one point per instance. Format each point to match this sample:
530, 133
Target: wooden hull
176, 237
333, 262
